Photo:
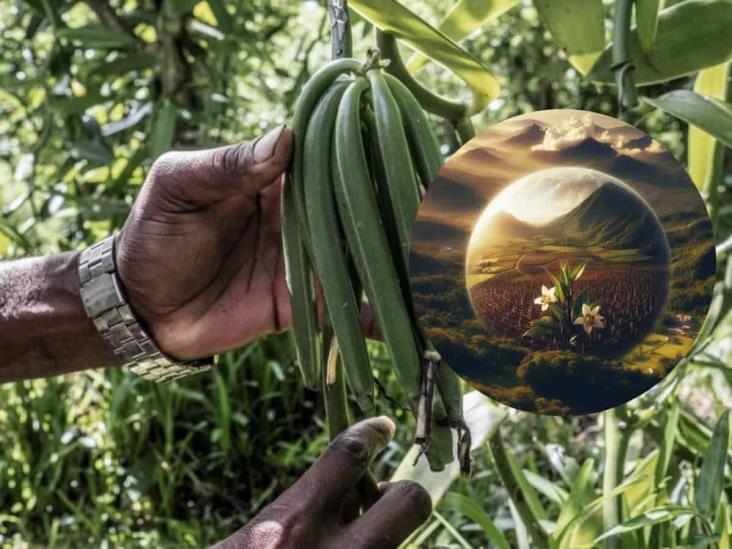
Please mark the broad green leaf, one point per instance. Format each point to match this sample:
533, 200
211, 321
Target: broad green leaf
690, 36
483, 418
578, 27
709, 114
646, 15
472, 509
96, 36
465, 17
163, 130
394, 18
649, 518
711, 476
703, 155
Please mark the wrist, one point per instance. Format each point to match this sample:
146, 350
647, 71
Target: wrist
106, 303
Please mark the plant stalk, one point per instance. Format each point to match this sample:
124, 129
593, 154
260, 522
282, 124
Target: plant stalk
622, 62
452, 111
616, 446
340, 29
464, 129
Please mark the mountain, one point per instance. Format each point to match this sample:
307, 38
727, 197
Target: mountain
530, 135
435, 231
615, 218
627, 167
504, 225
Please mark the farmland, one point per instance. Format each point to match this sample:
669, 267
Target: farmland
631, 299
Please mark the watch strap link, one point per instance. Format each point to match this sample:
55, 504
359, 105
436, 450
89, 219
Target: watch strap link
106, 304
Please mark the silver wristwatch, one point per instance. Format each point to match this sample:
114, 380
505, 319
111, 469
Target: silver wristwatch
106, 304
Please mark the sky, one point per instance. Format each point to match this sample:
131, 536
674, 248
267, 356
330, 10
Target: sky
513, 150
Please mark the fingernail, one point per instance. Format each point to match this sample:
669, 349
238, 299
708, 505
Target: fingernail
265, 146
389, 424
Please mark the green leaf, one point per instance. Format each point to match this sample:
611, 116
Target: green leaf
667, 444
96, 36
649, 518
578, 27
95, 152
163, 130
551, 490
579, 494
68, 106
394, 18
704, 159
711, 476
465, 17
222, 15
125, 63
556, 311
578, 271
646, 15
690, 36
559, 292
472, 509
709, 114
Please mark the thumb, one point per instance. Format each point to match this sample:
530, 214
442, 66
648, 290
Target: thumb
206, 176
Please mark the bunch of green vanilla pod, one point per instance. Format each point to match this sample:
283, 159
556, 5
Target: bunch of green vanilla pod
363, 155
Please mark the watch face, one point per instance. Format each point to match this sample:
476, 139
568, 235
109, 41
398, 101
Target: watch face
562, 262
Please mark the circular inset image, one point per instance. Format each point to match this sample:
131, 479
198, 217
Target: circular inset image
562, 262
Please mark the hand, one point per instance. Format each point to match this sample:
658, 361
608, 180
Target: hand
321, 509
200, 256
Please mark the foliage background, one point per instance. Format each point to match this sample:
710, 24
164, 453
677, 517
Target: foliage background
102, 458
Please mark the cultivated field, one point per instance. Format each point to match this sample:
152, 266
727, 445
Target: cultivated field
631, 299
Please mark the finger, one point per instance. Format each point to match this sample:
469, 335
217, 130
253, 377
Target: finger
194, 178
338, 470
404, 506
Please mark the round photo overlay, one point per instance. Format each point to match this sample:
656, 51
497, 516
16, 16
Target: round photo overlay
562, 262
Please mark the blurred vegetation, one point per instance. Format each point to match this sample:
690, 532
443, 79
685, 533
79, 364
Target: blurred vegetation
90, 93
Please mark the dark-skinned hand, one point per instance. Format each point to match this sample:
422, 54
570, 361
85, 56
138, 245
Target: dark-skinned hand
321, 510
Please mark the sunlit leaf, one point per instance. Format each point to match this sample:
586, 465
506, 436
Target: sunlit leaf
711, 476
709, 114
463, 18
649, 518
475, 512
646, 15
394, 18
577, 26
704, 159
703, 23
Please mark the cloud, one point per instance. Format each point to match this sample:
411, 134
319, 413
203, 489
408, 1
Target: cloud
573, 130
568, 133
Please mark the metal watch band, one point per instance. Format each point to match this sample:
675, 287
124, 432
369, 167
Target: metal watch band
106, 304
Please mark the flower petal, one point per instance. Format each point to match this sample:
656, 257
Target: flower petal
596, 310
586, 309
579, 320
545, 306
538, 301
